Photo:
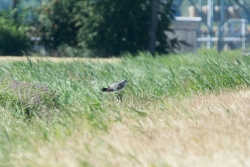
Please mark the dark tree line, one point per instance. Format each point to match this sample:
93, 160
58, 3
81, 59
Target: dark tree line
105, 27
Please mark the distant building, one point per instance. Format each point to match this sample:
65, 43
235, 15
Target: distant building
186, 29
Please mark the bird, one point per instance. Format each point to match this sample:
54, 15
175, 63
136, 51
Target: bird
116, 87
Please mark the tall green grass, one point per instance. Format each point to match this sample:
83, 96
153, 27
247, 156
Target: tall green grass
78, 86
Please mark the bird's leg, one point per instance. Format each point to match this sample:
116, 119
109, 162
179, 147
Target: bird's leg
119, 96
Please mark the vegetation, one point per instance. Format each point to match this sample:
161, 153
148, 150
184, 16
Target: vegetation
33, 99
13, 40
114, 27
177, 110
57, 20
99, 27
181, 108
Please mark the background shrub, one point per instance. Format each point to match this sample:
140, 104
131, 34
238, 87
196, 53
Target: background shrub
13, 40
29, 98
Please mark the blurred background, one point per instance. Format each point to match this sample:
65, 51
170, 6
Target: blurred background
97, 28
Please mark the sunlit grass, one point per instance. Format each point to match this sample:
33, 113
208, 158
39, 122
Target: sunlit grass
164, 114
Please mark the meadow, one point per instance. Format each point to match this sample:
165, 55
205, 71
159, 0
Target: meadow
177, 111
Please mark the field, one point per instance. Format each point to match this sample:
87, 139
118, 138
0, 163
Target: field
177, 111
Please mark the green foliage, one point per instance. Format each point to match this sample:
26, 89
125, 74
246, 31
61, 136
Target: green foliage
64, 30
58, 23
13, 40
120, 26
106, 27
27, 97
115, 27
79, 82
84, 106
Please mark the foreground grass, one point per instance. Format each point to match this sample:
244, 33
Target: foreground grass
182, 110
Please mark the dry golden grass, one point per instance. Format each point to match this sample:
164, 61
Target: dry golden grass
58, 59
204, 130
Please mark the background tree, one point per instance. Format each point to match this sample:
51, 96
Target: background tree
114, 27
153, 25
58, 25
109, 27
13, 40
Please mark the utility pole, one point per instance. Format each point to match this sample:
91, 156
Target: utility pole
209, 21
220, 28
153, 25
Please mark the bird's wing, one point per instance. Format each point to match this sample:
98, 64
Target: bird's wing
110, 89
114, 85
120, 86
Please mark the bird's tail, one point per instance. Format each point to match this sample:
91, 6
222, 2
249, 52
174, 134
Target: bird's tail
104, 89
